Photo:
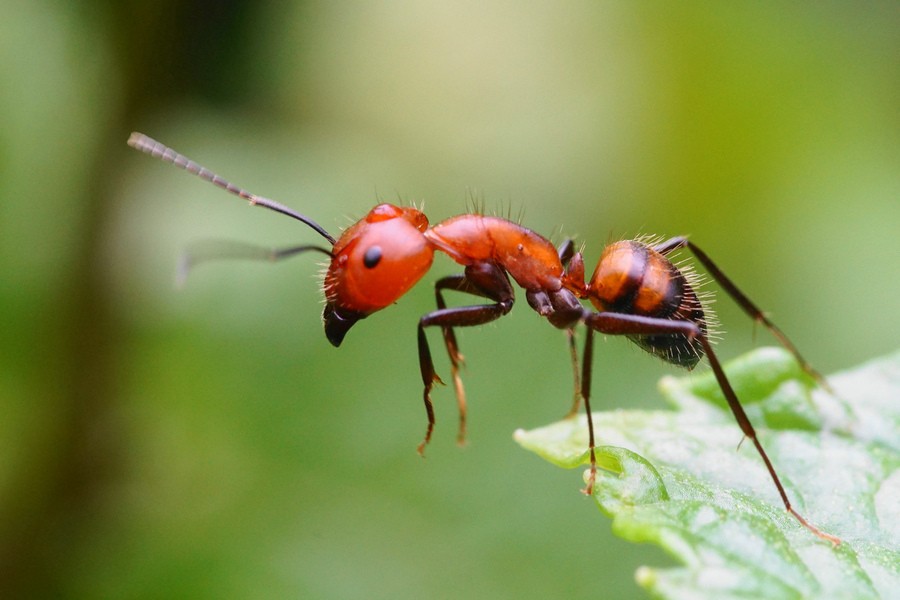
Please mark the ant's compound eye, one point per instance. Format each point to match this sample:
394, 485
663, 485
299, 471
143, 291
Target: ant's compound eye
372, 257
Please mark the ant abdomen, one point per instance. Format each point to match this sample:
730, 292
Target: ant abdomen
633, 278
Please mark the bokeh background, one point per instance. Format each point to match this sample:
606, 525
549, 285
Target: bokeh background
208, 442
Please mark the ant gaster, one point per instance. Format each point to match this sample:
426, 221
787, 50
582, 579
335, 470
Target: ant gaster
636, 291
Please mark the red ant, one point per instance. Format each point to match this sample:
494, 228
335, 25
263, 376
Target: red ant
636, 289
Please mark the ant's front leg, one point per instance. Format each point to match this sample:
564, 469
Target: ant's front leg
483, 279
457, 283
741, 299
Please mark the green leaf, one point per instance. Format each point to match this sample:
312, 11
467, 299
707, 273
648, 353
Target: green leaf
679, 479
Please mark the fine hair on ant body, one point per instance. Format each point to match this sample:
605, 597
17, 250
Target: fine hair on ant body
635, 291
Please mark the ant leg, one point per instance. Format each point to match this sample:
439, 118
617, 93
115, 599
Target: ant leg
483, 279
623, 324
456, 359
566, 251
573, 354
742, 300
429, 377
458, 283
671, 245
587, 361
745, 425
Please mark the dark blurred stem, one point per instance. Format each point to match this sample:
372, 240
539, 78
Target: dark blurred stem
83, 453
45, 544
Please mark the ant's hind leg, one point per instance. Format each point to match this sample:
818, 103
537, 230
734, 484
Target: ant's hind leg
624, 324
748, 430
741, 300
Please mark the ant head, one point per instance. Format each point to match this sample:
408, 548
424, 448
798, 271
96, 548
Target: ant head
375, 261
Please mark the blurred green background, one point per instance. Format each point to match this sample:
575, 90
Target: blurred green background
210, 443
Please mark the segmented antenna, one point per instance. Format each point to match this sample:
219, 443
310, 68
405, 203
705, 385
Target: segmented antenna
148, 145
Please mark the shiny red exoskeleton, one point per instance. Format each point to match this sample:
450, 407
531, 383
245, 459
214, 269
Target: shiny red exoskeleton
635, 291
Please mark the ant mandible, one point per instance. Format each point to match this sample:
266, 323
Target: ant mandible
636, 291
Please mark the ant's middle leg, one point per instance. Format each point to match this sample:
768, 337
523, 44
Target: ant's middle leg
741, 299
621, 324
566, 252
486, 279
587, 362
579, 385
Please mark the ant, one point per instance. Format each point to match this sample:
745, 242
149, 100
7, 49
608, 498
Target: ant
636, 291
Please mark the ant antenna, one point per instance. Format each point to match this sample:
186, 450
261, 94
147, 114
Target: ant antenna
209, 250
148, 145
